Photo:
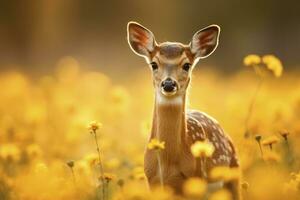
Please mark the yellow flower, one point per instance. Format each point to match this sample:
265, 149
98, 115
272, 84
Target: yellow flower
83, 168
107, 176
138, 173
270, 141
295, 176
70, 163
33, 151
202, 149
156, 144
113, 163
221, 195
284, 134
40, 168
91, 159
272, 157
194, 187
245, 185
273, 64
121, 182
251, 60
94, 126
223, 173
10, 152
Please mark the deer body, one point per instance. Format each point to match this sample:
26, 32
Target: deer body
178, 127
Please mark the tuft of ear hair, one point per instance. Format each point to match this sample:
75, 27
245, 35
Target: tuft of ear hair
140, 39
205, 41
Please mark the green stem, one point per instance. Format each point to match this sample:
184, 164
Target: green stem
73, 176
100, 165
261, 151
251, 106
203, 167
160, 169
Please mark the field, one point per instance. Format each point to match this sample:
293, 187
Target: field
47, 151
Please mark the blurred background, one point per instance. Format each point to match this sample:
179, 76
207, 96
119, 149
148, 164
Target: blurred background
34, 34
66, 63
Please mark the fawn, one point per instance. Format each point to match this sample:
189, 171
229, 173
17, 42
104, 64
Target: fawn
172, 64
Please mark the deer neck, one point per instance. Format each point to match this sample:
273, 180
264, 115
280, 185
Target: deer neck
169, 124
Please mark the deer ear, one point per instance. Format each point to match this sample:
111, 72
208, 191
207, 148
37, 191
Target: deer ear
140, 39
205, 41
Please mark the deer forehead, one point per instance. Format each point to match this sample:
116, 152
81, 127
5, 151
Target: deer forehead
172, 53
171, 49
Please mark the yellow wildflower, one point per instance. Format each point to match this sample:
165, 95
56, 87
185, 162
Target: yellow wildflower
295, 176
258, 138
202, 149
270, 141
107, 176
156, 144
284, 134
83, 168
223, 173
94, 126
10, 152
91, 159
33, 151
221, 195
273, 64
138, 173
251, 60
272, 157
40, 168
245, 185
194, 187
113, 163
120, 182
70, 163
133, 190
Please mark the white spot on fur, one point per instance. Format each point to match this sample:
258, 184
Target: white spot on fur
214, 138
217, 145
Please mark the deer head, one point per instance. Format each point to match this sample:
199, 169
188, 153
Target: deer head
171, 62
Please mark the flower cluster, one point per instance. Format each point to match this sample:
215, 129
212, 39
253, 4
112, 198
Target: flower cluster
269, 62
155, 144
94, 126
202, 149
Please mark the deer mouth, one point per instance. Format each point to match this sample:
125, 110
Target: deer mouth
169, 92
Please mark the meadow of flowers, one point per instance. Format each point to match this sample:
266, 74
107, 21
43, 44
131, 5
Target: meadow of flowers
77, 134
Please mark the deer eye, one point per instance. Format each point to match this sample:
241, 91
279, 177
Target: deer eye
154, 66
186, 67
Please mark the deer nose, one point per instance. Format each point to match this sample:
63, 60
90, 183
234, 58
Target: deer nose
169, 85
